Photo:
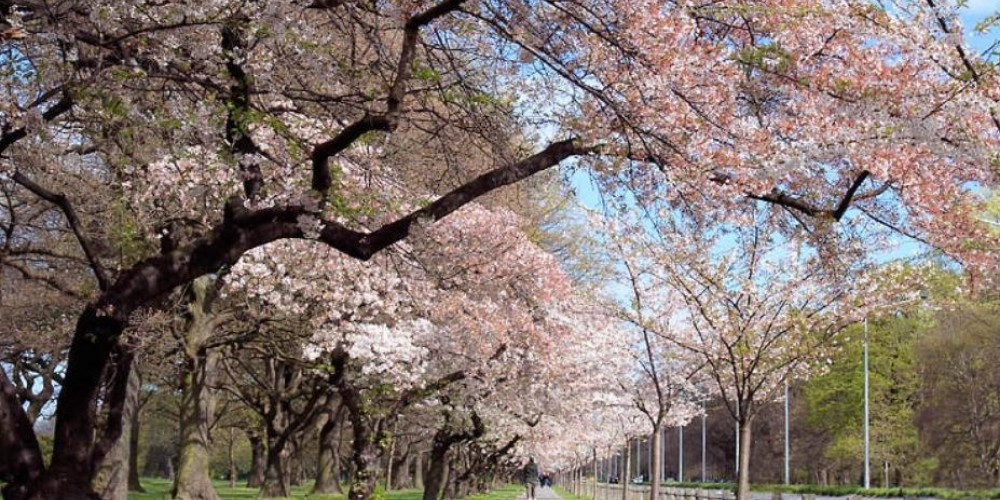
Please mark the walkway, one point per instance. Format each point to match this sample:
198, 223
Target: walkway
542, 494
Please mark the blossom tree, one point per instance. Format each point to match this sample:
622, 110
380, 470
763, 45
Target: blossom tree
758, 310
664, 385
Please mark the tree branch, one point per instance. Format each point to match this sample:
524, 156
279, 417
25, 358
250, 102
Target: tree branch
785, 200
9, 137
60, 200
322, 181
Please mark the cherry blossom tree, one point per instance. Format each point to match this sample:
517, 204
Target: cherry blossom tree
757, 309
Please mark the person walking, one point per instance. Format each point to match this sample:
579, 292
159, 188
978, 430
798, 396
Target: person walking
530, 472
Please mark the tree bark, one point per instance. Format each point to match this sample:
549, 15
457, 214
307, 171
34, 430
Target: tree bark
133, 448
328, 463
293, 468
68, 475
437, 470
22, 462
401, 467
365, 453
657, 466
388, 459
743, 491
276, 484
193, 481
111, 478
258, 459
418, 471
232, 457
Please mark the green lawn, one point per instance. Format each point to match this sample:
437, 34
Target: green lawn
159, 489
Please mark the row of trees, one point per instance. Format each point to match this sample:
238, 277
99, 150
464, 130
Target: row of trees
300, 206
932, 401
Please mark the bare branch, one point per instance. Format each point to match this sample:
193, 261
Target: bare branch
60, 200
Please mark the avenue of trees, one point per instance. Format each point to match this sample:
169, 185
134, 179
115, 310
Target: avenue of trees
337, 237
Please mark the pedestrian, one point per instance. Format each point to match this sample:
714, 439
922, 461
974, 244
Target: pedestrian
530, 472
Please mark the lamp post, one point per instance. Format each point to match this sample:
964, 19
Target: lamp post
680, 454
787, 436
704, 440
867, 436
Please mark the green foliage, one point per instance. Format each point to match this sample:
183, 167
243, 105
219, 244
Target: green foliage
767, 56
127, 235
836, 398
379, 493
426, 74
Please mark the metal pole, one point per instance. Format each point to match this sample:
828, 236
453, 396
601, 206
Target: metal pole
704, 441
867, 435
680, 454
787, 436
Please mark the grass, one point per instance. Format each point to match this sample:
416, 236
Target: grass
566, 495
159, 489
508, 492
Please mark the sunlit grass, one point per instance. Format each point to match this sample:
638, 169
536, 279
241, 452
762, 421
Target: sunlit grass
159, 489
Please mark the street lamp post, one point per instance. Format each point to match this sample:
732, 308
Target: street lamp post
787, 439
704, 440
867, 438
680, 454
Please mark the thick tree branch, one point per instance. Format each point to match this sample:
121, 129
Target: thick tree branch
393, 232
117, 394
322, 180
785, 200
9, 137
22, 456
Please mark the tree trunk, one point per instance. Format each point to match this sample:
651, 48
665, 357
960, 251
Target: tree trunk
276, 484
437, 471
293, 467
232, 457
365, 458
258, 459
133, 449
328, 464
401, 477
418, 471
68, 475
626, 465
743, 492
388, 459
22, 462
593, 494
657, 465
193, 481
111, 478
